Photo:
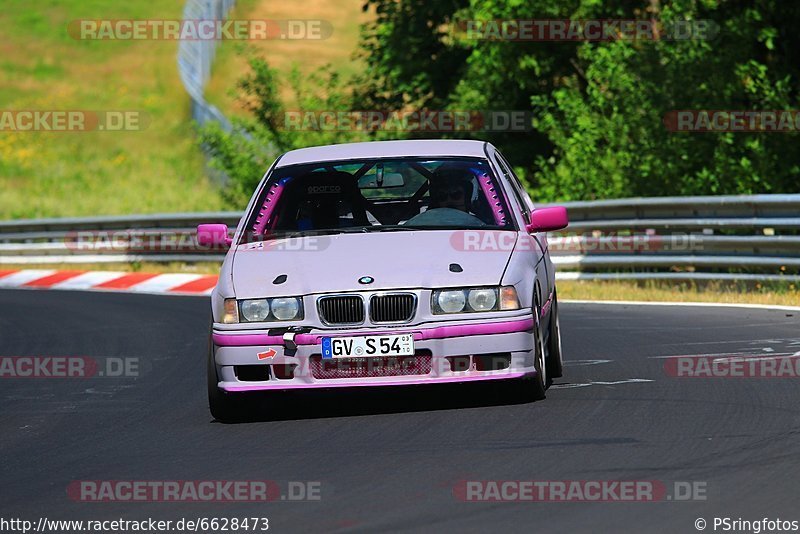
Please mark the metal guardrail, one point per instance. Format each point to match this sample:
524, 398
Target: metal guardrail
115, 222
739, 206
195, 58
747, 237
753, 237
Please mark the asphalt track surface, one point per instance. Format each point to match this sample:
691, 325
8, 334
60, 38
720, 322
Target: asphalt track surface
388, 460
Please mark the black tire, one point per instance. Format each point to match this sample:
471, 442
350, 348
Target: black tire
555, 358
223, 407
542, 379
530, 389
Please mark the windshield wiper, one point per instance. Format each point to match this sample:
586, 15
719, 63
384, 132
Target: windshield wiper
375, 228
387, 228
321, 231
344, 230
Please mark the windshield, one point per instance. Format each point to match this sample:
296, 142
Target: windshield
379, 195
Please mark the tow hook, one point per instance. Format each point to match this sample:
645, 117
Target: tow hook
289, 346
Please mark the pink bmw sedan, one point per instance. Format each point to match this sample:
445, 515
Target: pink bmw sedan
385, 264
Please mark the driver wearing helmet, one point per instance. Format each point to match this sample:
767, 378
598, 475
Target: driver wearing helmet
451, 188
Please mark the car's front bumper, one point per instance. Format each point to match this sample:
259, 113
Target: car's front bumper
509, 339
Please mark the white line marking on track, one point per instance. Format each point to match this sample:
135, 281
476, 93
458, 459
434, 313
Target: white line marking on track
723, 354
598, 383
754, 357
696, 304
724, 342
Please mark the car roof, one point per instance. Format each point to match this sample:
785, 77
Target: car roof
385, 149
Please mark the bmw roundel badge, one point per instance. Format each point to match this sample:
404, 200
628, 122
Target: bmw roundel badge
366, 280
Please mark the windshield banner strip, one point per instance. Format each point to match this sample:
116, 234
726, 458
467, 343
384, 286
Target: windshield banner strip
492, 196
270, 200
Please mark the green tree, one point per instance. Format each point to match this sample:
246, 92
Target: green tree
607, 123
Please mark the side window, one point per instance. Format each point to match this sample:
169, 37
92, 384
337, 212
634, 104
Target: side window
519, 192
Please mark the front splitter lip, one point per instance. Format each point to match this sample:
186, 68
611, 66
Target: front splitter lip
373, 382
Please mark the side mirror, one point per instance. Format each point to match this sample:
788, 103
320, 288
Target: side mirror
548, 219
213, 235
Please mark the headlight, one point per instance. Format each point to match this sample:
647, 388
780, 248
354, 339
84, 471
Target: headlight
474, 299
285, 309
277, 309
482, 299
255, 310
450, 301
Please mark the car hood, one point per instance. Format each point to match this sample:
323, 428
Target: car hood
409, 259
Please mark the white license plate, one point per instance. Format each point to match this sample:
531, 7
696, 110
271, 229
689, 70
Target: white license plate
367, 346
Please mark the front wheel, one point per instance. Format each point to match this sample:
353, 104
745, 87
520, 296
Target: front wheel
532, 388
555, 358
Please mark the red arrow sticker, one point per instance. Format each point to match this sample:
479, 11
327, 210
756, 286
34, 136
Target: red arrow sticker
266, 355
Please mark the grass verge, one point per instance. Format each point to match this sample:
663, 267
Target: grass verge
345, 18
58, 174
778, 293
